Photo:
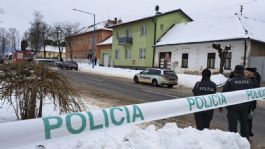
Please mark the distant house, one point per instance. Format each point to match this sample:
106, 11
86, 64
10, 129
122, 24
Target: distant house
133, 41
82, 43
187, 47
52, 52
105, 52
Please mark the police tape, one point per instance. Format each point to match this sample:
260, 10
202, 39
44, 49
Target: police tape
19, 133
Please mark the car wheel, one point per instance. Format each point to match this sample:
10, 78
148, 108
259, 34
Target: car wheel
169, 85
135, 80
154, 83
76, 69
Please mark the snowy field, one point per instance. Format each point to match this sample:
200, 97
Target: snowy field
183, 79
133, 136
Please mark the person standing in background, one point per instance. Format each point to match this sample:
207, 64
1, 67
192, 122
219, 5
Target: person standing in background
250, 74
238, 112
204, 87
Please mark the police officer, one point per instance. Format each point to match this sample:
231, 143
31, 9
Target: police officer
204, 87
250, 73
238, 112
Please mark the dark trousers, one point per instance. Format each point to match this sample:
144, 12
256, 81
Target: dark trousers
250, 121
203, 119
241, 115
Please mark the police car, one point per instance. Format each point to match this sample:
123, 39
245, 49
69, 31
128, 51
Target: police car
156, 77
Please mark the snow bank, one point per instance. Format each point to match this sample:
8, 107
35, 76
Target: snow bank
183, 79
109, 71
190, 80
133, 137
7, 113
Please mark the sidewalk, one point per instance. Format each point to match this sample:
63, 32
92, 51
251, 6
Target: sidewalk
183, 91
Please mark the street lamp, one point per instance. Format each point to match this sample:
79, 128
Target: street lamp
94, 35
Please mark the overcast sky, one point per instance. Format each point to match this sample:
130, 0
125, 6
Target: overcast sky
19, 13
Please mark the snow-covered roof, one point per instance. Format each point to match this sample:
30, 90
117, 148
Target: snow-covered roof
214, 29
256, 29
98, 26
153, 16
106, 42
52, 49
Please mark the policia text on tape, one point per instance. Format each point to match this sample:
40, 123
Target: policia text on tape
30, 131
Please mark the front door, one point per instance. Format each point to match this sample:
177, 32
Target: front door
164, 59
106, 60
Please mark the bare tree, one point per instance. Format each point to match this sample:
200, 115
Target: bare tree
14, 38
27, 86
46, 35
70, 29
4, 41
36, 32
58, 38
222, 52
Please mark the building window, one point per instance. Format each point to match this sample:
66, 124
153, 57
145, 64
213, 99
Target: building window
142, 53
228, 58
211, 60
117, 54
184, 62
161, 27
128, 54
128, 33
143, 30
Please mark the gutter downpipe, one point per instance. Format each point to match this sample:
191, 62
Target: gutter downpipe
245, 52
153, 61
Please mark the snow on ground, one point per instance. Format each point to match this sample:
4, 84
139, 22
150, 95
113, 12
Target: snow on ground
109, 71
7, 113
183, 79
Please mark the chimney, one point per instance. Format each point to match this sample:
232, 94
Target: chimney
157, 10
119, 21
115, 21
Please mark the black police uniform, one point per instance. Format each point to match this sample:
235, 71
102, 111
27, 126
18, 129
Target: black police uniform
204, 87
252, 106
238, 112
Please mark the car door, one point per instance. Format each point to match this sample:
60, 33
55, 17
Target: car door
151, 75
144, 76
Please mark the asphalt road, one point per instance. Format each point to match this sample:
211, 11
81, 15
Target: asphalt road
122, 87
126, 89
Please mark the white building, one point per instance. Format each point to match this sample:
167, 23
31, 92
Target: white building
188, 48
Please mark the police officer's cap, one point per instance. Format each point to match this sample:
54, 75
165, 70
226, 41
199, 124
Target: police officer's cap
251, 69
239, 69
206, 73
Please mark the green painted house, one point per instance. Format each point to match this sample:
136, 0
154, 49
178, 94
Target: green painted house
132, 43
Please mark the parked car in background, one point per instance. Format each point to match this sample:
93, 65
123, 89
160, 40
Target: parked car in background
156, 77
67, 65
48, 62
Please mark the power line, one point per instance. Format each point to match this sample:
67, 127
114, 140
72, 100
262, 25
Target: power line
256, 20
232, 6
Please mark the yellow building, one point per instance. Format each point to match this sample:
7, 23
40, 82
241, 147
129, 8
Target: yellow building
52, 52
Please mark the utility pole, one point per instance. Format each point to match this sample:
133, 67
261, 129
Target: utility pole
241, 10
94, 36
